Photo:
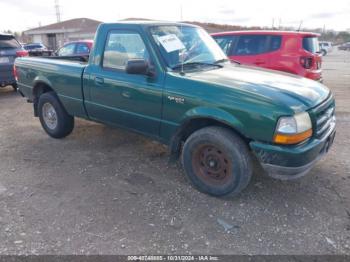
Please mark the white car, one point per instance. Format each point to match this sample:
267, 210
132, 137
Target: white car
325, 47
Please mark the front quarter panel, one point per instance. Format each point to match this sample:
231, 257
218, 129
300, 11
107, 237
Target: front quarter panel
252, 116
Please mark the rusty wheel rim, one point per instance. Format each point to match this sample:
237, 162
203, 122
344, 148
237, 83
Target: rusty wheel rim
212, 165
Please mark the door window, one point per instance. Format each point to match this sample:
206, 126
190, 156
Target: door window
121, 47
275, 43
82, 49
67, 50
251, 45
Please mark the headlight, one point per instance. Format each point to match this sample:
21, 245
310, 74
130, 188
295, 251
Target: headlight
294, 129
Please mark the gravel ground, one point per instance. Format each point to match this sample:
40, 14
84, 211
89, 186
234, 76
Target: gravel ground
107, 191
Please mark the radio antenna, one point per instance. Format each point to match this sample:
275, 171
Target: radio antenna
301, 23
182, 54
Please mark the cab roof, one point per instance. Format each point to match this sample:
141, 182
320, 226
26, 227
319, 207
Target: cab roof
266, 32
148, 23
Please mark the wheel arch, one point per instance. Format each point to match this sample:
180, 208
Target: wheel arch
194, 122
40, 86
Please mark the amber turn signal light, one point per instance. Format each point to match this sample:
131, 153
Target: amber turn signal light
290, 139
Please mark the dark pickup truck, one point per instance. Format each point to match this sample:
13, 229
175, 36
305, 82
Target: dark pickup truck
172, 82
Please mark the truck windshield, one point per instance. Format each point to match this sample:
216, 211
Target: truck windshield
186, 45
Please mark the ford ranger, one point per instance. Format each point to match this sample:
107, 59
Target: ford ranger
173, 83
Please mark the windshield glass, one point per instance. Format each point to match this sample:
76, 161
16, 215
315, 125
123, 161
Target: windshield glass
186, 44
311, 44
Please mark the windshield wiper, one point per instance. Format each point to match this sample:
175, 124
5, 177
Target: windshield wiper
227, 60
222, 61
178, 66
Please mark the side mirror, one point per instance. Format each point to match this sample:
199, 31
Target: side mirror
138, 67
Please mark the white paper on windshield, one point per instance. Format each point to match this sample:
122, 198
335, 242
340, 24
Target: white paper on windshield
171, 43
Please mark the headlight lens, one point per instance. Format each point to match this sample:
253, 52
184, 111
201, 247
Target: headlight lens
294, 129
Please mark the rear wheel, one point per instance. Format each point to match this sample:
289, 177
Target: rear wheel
217, 161
53, 117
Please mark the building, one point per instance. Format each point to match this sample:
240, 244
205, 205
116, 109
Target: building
55, 35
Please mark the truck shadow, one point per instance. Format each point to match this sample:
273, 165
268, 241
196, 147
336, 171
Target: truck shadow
120, 179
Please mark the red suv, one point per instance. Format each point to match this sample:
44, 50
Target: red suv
293, 52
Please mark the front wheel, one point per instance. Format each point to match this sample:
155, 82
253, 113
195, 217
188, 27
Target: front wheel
53, 117
217, 161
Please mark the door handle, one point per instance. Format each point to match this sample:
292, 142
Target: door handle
126, 94
99, 81
259, 62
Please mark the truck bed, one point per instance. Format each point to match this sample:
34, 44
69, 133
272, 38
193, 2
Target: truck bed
63, 75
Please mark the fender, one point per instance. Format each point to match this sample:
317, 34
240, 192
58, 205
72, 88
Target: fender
41, 80
38, 82
200, 117
213, 113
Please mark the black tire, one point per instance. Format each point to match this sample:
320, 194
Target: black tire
323, 52
64, 124
232, 168
15, 87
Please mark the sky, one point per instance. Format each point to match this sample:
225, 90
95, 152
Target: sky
19, 15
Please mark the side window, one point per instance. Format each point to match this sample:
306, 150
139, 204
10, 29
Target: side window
275, 43
82, 48
251, 45
226, 42
66, 50
122, 46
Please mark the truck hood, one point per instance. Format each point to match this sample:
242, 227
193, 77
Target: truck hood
281, 88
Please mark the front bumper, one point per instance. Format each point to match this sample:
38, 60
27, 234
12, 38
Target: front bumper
291, 162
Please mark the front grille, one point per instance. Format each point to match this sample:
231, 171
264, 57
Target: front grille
324, 118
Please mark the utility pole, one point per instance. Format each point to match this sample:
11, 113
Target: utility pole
58, 12
181, 15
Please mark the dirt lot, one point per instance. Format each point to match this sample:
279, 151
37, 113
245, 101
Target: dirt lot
107, 191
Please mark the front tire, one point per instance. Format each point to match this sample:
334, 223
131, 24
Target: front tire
217, 161
55, 120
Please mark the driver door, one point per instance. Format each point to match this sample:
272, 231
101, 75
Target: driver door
118, 98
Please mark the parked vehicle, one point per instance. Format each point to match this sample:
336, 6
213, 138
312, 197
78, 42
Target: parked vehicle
291, 52
345, 46
325, 47
10, 48
76, 48
37, 49
173, 83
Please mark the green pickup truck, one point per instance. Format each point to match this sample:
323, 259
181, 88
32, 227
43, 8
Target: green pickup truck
173, 83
